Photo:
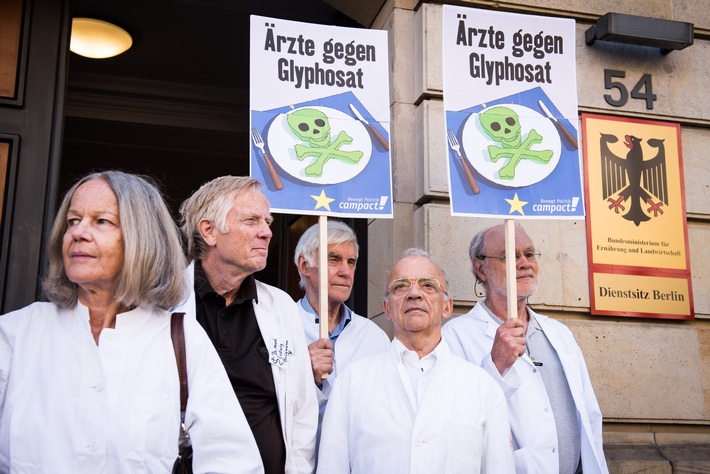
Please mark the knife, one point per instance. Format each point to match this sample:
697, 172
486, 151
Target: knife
377, 135
560, 127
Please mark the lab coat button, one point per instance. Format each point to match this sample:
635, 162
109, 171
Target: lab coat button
92, 446
417, 443
99, 386
546, 409
534, 371
553, 450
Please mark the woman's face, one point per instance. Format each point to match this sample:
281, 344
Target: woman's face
93, 247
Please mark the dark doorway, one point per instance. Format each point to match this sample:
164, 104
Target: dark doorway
176, 105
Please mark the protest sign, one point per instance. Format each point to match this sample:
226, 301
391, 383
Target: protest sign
510, 97
319, 100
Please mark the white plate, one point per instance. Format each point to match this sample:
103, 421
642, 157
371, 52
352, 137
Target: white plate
475, 143
282, 140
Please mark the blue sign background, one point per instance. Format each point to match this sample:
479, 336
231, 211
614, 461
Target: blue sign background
563, 184
371, 185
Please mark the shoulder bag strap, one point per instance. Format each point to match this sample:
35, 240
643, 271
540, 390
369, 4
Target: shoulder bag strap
183, 463
177, 333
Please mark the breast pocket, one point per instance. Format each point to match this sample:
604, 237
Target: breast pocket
465, 447
154, 426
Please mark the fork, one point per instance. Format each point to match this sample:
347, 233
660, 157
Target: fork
259, 142
454, 144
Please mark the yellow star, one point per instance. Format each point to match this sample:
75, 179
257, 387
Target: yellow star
516, 205
322, 200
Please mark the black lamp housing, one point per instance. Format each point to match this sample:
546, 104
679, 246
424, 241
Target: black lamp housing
631, 29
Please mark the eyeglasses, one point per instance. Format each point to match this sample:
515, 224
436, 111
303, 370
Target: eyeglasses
530, 255
427, 285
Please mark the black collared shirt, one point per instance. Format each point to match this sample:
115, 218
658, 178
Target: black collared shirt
235, 334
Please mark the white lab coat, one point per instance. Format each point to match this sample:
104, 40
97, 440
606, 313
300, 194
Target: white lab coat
70, 406
531, 418
360, 338
280, 326
372, 424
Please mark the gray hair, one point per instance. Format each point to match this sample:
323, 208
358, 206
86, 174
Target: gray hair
417, 252
212, 202
152, 273
477, 248
309, 243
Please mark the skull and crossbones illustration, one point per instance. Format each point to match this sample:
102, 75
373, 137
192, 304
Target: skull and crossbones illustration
502, 124
312, 126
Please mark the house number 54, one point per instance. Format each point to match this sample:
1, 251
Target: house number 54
642, 90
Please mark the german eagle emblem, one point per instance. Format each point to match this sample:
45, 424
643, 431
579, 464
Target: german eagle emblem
634, 179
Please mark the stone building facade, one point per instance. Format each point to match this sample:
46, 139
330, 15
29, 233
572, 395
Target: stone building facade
651, 376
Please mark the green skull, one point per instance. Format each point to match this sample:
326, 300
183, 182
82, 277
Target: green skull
310, 125
502, 125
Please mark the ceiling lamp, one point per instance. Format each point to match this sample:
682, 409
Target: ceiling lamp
98, 39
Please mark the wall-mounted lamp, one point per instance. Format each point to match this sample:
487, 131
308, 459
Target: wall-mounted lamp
98, 39
620, 28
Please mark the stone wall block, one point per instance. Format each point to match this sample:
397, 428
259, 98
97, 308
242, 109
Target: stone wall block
431, 151
428, 78
698, 238
402, 55
704, 344
642, 370
687, 452
404, 153
696, 169
693, 11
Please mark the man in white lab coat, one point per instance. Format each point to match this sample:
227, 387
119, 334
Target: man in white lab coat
415, 408
253, 326
554, 414
350, 337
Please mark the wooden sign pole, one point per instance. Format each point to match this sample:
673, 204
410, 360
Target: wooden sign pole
323, 278
510, 272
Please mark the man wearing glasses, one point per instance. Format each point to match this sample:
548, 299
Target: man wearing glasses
554, 414
415, 408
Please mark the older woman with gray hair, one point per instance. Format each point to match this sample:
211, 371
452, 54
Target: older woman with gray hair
88, 380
